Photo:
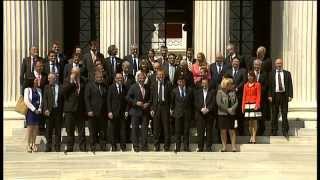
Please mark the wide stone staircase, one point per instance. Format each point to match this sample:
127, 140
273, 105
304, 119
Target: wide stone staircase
272, 157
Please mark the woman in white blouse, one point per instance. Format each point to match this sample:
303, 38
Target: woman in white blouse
33, 100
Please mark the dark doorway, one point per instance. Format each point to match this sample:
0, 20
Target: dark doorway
71, 26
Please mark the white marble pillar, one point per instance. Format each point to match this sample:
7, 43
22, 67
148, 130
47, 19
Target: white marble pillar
296, 44
26, 23
211, 27
119, 25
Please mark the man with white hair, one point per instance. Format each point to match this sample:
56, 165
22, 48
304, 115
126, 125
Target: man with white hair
262, 78
133, 59
266, 65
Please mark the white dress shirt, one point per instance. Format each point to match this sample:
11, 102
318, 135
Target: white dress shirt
162, 98
56, 91
205, 92
171, 72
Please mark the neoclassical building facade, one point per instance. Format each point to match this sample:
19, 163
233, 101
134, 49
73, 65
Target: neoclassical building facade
293, 37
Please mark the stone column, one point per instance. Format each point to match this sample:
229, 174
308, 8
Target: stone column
297, 45
119, 25
211, 27
26, 23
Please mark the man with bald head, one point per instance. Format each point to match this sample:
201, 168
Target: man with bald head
279, 94
74, 109
217, 69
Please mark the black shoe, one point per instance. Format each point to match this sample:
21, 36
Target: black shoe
200, 150
274, 133
176, 150
103, 147
286, 135
157, 148
144, 148
123, 148
209, 149
93, 148
48, 149
166, 149
136, 149
114, 148
82, 147
57, 148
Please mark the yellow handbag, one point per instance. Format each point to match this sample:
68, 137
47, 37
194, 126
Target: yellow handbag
21, 107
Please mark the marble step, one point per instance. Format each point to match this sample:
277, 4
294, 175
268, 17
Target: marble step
307, 132
193, 147
161, 165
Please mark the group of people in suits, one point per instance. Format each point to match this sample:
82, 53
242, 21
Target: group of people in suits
142, 95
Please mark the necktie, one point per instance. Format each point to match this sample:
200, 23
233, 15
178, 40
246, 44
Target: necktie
142, 91
54, 94
134, 66
33, 64
279, 82
219, 68
125, 78
78, 87
114, 65
99, 86
204, 99
235, 73
181, 93
160, 92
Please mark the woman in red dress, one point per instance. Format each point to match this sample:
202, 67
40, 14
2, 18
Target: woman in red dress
197, 67
251, 104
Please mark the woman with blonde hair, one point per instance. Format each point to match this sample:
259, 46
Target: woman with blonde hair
197, 67
227, 104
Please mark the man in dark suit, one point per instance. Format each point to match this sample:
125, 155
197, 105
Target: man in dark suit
61, 59
189, 58
217, 69
164, 55
74, 108
128, 79
231, 54
262, 78
280, 93
117, 112
160, 110
95, 100
52, 108
182, 70
204, 102
133, 59
113, 64
28, 66
90, 58
181, 107
170, 68
151, 58
39, 74
138, 98
153, 78
75, 63
52, 66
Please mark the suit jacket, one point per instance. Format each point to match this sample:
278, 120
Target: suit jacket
216, 77
117, 103
59, 66
130, 60
182, 105
127, 83
109, 68
165, 66
167, 95
48, 99
89, 65
134, 94
243, 63
199, 100
287, 83
68, 68
95, 102
73, 102
222, 99
239, 79
187, 75
266, 65
25, 71
263, 80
